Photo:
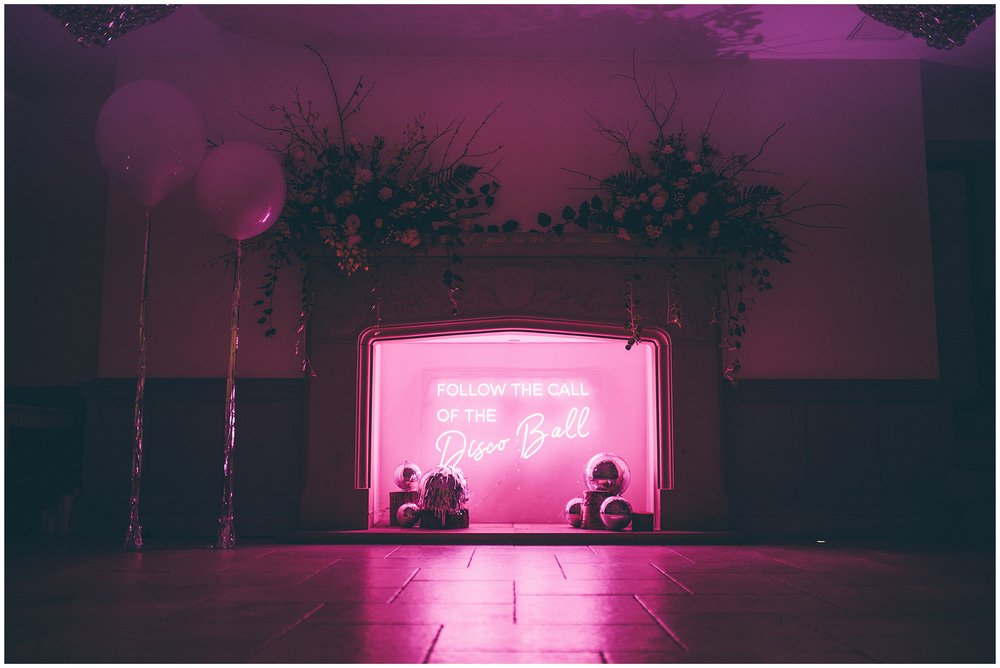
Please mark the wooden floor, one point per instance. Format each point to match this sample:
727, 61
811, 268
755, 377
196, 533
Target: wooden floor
803, 603
515, 534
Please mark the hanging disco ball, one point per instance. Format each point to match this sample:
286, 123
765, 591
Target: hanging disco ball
97, 25
616, 513
574, 512
942, 26
407, 476
607, 472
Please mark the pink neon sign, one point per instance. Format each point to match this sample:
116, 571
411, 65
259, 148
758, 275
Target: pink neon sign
519, 413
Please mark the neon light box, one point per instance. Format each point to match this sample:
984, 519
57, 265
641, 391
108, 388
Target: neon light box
519, 411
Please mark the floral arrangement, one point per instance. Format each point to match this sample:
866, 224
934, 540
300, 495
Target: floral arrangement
356, 198
686, 193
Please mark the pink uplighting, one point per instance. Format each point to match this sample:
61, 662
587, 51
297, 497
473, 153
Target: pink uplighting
519, 409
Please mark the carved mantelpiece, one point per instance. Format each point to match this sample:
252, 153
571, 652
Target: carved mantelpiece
575, 277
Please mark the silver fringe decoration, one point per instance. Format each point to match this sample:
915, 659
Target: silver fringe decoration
227, 530
133, 537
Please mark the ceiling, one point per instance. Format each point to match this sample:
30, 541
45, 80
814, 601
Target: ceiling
40, 52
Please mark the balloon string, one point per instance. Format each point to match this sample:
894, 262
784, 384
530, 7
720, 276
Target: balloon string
227, 530
133, 537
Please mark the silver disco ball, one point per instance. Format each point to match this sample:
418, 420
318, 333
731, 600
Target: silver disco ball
574, 512
616, 513
407, 515
407, 476
607, 472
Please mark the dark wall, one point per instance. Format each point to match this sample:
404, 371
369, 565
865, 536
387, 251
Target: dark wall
55, 207
819, 459
182, 476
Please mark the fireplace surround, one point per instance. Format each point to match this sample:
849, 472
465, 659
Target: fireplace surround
523, 282
519, 404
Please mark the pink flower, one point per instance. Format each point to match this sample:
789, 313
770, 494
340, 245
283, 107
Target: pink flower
362, 176
410, 238
698, 200
619, 215
697, 169
713, 229
623, 234
385, 194
352, 224
660, 200
667, 149
690, 156
344, 199
652, 231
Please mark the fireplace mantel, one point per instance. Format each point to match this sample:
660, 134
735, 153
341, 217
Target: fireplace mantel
577, 277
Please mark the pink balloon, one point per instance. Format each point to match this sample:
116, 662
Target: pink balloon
151, 137
241, 189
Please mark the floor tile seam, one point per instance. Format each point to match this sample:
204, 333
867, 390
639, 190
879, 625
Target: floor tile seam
687, 559
405, 584
599, 594
228, 590
272, 639
67, 571
779, 561
513, 584
934, 597
430, 650
312, 575
241, 563
666, 629
559, 564
672, 578
834, 638
812, 595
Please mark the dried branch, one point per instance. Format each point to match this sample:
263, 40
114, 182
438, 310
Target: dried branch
711, 116
760, 151
465, 151
584, 174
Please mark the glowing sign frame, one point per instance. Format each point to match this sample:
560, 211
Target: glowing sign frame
662, 469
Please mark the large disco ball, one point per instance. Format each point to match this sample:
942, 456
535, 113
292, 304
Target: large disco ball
574, 512
616, 513
607, 472
407, 515
407, 476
